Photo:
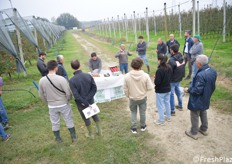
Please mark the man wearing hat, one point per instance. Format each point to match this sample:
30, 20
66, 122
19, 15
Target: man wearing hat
196, 49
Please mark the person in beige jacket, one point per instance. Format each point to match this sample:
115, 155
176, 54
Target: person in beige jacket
137, 84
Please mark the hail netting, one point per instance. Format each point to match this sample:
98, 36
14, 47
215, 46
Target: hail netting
7, 44
21, 24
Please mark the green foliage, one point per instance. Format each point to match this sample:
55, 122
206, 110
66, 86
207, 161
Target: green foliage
7, 63
68, 21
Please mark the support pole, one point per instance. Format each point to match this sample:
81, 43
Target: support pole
147, 26
224, 21
154, 23
198, 18
165, 23
109, 28
139, 22
126, 26
135, 29
194, 17
36, 39
113, 24
179, 20
119, 28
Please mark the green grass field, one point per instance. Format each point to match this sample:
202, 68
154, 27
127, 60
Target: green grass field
33, 140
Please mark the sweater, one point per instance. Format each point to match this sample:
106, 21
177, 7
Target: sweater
95, 64
162, 80
141, 48
162, 48
42, 67
50, 94
83, 88
196, 49
122, 56
177, 72
137, 84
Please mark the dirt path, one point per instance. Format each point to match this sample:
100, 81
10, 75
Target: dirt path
171, 137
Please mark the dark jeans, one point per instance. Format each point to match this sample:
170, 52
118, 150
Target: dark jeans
124, 67
187, 58
195, 121
87, 121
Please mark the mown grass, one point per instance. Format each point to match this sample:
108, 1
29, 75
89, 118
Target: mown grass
33, 140
221, 60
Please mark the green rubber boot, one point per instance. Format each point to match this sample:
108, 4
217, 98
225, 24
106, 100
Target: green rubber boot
73, 134
57, 135
99, 130
90, 133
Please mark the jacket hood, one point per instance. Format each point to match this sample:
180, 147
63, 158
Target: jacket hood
178, 57
137, 75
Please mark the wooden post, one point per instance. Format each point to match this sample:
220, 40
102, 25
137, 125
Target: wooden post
147, 26
113, 24
20, 44
139, 22
165, 23
36, 39
179, 20
109, 28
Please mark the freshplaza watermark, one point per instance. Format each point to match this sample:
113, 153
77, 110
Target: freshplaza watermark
202, 159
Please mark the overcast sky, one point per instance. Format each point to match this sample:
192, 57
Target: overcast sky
88, 10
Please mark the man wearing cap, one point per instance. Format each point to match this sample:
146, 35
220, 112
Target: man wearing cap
196, 49
187, 56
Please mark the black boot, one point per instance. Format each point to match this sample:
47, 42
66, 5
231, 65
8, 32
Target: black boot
73, 134
57, 135
148, 69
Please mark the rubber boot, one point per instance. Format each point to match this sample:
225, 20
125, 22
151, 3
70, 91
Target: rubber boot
99, 130
148, 69
57, 135
90, 133
73, 134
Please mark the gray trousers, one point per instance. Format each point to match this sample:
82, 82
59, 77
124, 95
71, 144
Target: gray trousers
142, 105
187, 59
66, 113
195, 121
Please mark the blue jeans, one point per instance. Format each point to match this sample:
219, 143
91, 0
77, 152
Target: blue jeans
162, 103
144, 57
194, 70
124, 67
175, 88
2, 132
3, 114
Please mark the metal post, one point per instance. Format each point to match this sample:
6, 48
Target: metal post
179, 20
154, 23
224, 20
119, 29
198, 18
126, 26
147, 26
165, 23
194, 17
135, 29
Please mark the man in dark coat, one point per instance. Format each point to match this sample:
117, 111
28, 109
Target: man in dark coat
42, 67
161, 47
201, 90
84, 88
61, 70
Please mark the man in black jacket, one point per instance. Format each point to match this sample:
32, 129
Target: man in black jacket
171, 42
201, 90
161, 47
42, 67
61, 70
84, 88
177, 63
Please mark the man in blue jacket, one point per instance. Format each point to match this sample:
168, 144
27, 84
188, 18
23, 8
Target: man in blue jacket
84, 88
187, 56
201, 90
141, 49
